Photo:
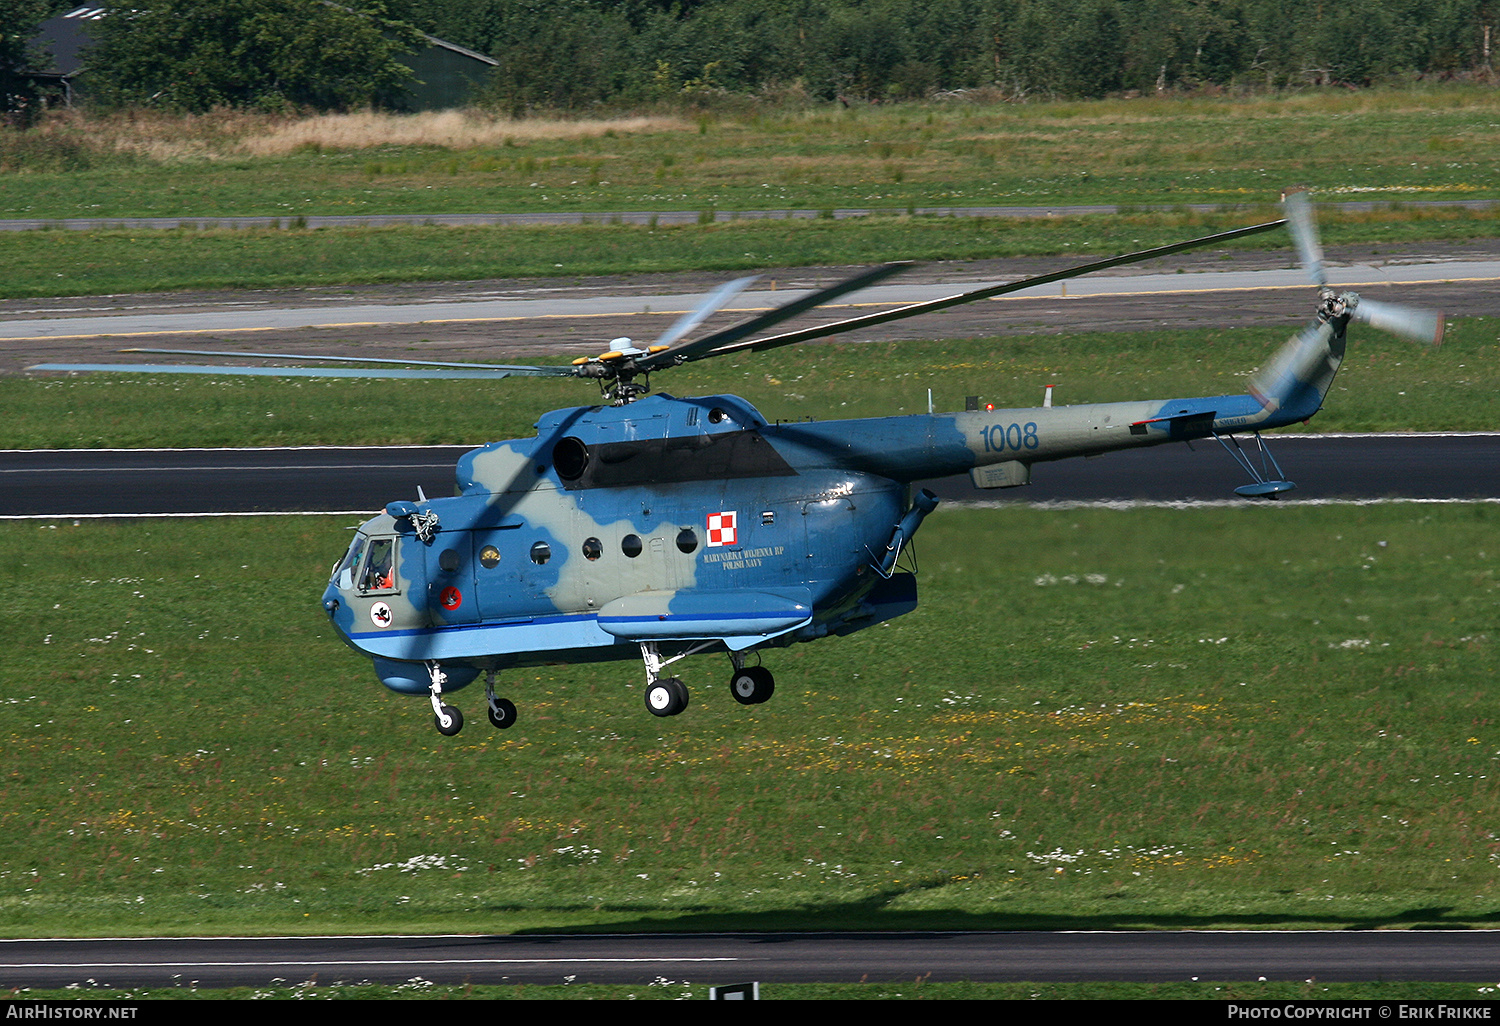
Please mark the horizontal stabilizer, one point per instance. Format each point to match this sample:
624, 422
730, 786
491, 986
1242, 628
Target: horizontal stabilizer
1180, 426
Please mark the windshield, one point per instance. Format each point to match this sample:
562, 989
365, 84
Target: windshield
341, 576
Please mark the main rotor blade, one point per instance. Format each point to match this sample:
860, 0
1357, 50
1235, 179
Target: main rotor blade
446, 369
710, 343
411, 373
716, 299
1425, 326
988, 292
1304, 229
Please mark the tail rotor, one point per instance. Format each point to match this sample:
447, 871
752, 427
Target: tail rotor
1413, 323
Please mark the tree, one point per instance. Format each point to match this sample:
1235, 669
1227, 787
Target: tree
18, 23
266, 54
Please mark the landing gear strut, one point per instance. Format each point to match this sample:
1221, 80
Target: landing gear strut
448, 719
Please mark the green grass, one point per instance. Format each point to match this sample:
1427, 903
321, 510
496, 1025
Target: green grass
1387, 385
50, 263
1430, 142
1287, 723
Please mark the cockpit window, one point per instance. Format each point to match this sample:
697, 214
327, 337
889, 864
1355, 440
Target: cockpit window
343, 573
380, 566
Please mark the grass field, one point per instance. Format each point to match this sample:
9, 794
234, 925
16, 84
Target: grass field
53, 263
1428, 143
1435, 142
1285, 723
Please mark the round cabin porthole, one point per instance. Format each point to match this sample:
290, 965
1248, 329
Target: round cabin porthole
687, 540
448, 560
592, 549
540, 553
489, 556
631, 545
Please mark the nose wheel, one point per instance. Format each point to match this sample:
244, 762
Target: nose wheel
449, 719
502, 710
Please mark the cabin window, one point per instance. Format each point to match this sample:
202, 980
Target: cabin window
540, 553
631, 545
448, 560
489, 557
687, 540
380, 566
593, 548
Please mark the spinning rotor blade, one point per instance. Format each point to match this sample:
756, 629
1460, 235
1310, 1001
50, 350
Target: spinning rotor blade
436, 368
710, 343
1304, 229
988, 292
1418, 325
716, 299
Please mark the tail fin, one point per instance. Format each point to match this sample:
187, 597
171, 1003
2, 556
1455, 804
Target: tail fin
1291, 385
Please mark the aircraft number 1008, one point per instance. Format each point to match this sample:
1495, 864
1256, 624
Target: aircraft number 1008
1003, 437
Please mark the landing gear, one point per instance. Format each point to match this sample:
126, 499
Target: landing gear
446, 718
666, 697
751, 685
502, 713
502, 710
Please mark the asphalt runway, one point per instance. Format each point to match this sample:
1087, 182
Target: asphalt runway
717, 959
81, 482
508, 319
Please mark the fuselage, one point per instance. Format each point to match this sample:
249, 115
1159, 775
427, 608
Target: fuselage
692, 521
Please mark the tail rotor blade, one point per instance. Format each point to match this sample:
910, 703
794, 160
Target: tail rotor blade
1304, 229
1425, 326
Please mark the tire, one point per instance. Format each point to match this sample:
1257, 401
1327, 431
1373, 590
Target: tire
503, 714
455, 721
667, 697
752, 685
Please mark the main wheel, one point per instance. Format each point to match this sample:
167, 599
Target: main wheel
455, 721
667, 697
503, 714
752, 685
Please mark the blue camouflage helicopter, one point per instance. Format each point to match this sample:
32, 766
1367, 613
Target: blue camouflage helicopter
655, 527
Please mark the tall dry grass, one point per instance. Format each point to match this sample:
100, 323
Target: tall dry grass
71, 140
452, 129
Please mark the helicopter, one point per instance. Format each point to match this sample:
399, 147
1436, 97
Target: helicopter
655, 527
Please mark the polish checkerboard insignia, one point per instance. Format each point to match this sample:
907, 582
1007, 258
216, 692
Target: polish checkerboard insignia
722, 530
